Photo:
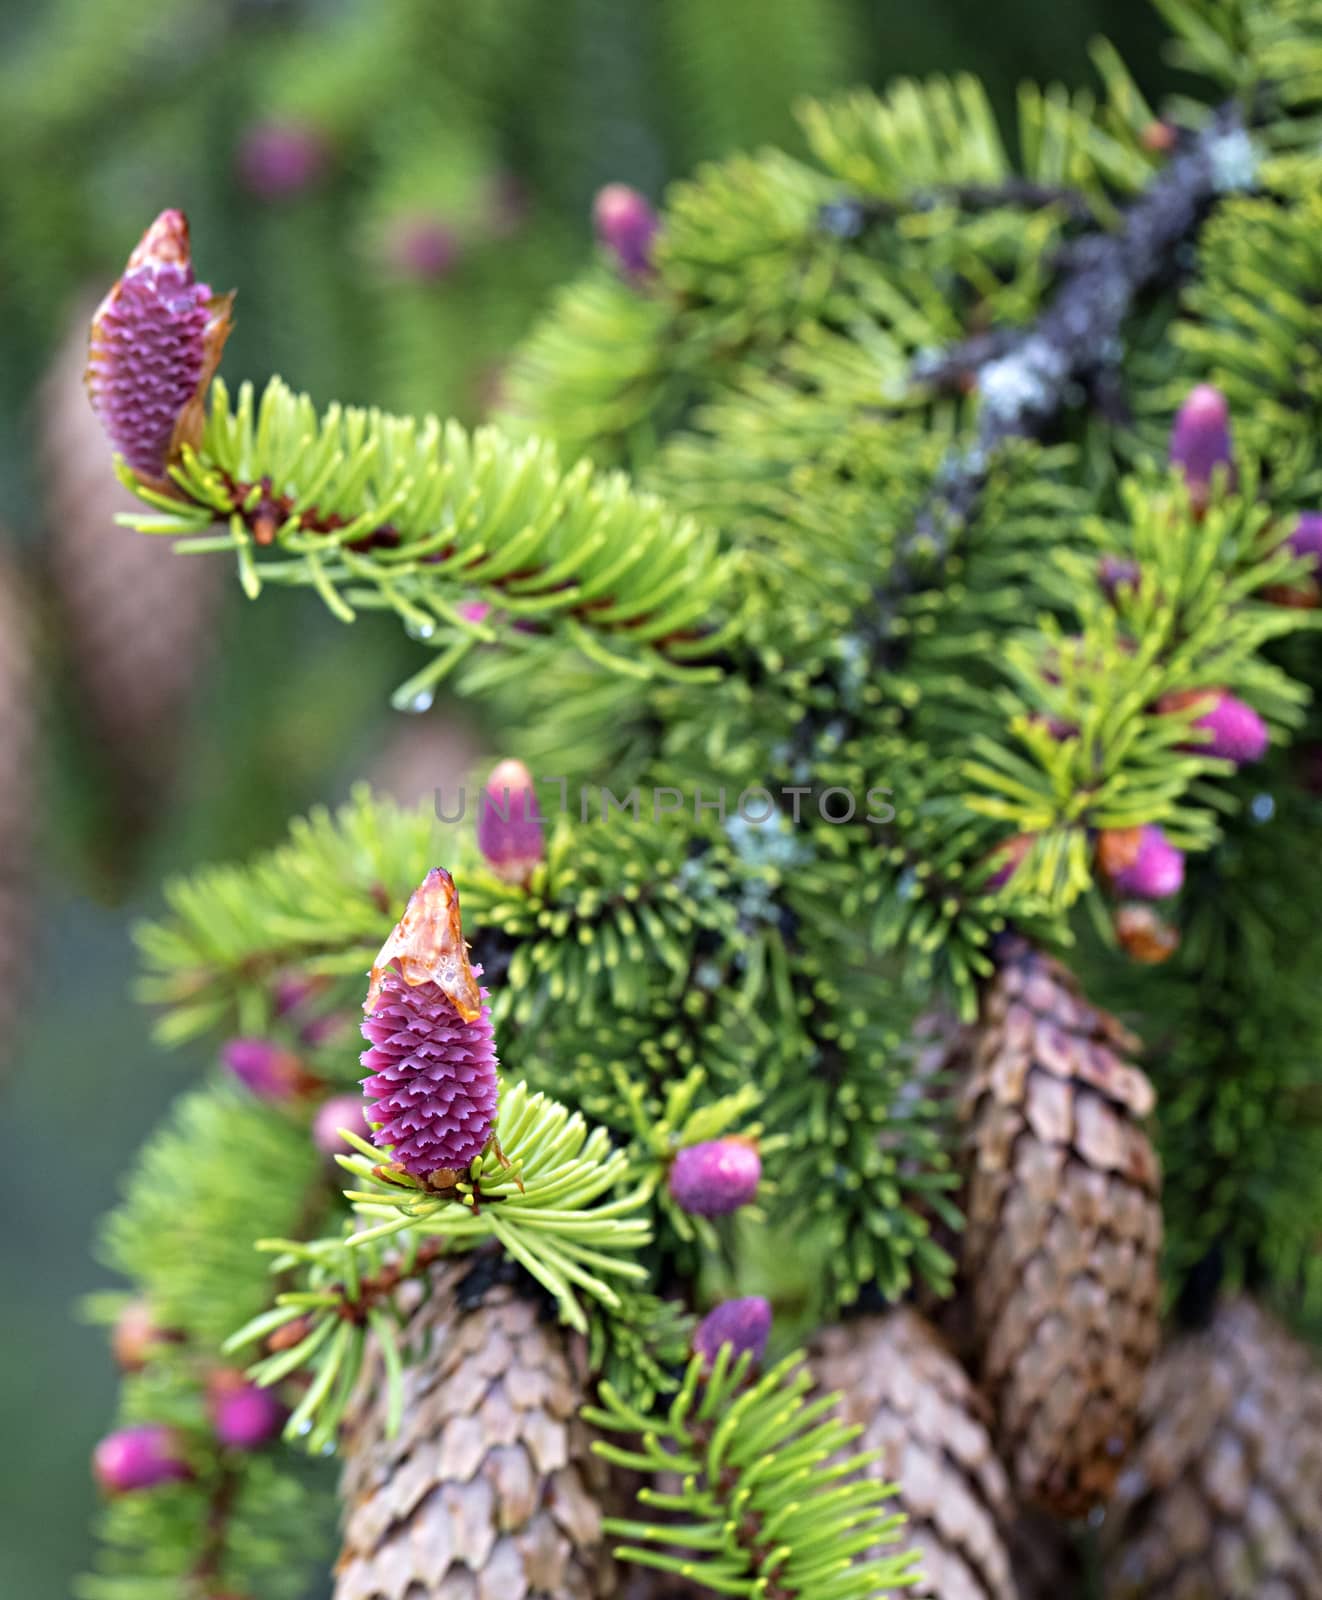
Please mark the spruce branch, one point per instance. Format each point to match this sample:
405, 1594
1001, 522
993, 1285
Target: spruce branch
769, 1503
376, 512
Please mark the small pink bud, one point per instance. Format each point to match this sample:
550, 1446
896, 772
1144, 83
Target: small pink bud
1238, 733
509, 825
627, 226
475, 610
1306, 540
244, 1416
742, 1324
267, 1069
142, 1457
280, 159
340, 1111
424, 248
1200, 442
1157, 870
715, 1178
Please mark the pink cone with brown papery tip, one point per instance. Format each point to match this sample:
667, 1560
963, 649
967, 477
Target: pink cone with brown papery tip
156, 341
432, 1057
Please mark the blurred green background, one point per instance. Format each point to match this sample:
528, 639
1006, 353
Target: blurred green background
393, 186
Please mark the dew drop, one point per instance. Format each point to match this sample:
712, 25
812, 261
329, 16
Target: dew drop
419, 628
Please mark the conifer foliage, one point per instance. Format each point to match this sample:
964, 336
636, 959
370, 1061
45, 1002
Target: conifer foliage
950, 648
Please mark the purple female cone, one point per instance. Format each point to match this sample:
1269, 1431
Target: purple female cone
156, 341
433, 1078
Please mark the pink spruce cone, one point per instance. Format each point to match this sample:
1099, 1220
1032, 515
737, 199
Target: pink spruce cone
244, 1416
340, 1111
266, 1068
1306, 540
743, 1324
1156, 872
627, 226
715, 1178
139, 1458
1238, 733
433, 1077
156, 341
509, 825
1200, 441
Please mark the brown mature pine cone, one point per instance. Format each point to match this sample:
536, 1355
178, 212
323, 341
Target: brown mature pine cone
1064, 1230
489, 1491
18, 753
900, 1381
1222, 1499
136, 616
